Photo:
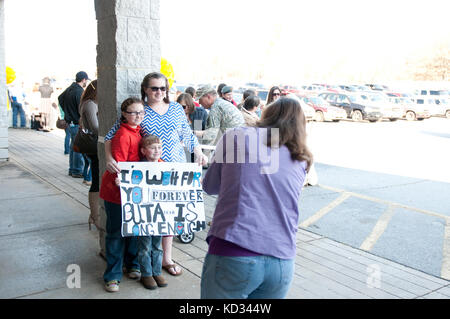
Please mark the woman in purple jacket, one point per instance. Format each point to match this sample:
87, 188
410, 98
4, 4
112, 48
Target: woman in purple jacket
258, 173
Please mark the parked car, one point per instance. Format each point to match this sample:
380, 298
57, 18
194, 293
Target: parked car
286, 89
411, 110
375, 87
308, 110
349, 88
355, 106
443, 106
390, 110
323, 110
428, 93
430, 104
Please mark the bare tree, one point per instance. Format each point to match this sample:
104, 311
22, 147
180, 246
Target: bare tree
436, 67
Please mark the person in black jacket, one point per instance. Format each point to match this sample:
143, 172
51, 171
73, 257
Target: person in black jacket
69, 101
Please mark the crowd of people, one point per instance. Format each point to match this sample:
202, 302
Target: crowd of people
242, 261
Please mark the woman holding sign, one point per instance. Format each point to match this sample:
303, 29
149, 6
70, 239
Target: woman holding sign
166, 120
252, 236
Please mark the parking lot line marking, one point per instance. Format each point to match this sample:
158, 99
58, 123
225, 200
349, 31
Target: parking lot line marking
378, 229
325, 210
445, 270
382, 201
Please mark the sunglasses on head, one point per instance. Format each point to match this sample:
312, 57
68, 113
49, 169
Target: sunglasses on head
155, 88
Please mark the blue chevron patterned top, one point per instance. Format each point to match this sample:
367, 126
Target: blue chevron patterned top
172, 128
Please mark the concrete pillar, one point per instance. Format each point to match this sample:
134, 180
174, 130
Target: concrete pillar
128, 49
3, 94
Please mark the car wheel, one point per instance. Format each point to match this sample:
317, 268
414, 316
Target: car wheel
410, 116
357, 116
447, 114
319, 116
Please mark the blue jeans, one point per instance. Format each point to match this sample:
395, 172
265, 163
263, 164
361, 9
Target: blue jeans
150, 255
259, 277
87, 173
67, 141
18, 110
119, 250
76, 160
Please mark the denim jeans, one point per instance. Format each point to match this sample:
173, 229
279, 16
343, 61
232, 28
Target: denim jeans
67, 141
18, 110
76, 160
150, 255
87, 173
259, 277
119, 250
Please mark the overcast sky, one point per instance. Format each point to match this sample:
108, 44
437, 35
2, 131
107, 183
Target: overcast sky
283, 39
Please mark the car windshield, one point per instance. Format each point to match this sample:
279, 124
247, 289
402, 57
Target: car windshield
356, 98
377, 98
318, 100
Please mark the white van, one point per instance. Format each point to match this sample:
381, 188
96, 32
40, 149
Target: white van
441, 109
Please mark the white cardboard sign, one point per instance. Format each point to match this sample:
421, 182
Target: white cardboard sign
161, 198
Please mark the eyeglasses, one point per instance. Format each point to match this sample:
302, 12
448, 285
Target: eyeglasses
155, 88
184, 106
276, 94
141, 113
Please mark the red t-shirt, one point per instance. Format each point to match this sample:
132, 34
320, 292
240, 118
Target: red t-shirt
124, 148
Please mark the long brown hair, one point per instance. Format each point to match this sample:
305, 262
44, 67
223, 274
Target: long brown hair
90, 93
187, 98
146, 82
270, 95
287, 115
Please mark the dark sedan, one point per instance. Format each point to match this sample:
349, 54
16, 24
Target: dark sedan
357, 108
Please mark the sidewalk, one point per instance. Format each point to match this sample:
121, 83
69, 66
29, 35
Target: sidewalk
43, 230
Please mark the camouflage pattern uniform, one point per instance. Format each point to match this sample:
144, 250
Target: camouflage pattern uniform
222, 116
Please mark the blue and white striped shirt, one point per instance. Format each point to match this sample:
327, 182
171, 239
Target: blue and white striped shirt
172, 128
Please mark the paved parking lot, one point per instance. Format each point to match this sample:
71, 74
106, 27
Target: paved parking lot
384, 188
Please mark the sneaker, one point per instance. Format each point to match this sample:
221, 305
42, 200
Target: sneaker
112, 286
88, 183
134, 274
149, 282
160, 281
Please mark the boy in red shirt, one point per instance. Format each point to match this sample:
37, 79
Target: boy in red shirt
124, 148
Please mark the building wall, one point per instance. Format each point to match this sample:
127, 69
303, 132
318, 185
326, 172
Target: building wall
3, 95
128, 49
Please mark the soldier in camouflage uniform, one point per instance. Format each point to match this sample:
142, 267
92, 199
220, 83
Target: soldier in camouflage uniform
222, 115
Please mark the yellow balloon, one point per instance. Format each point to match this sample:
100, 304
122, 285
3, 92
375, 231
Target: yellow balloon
10, 75
167, 70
